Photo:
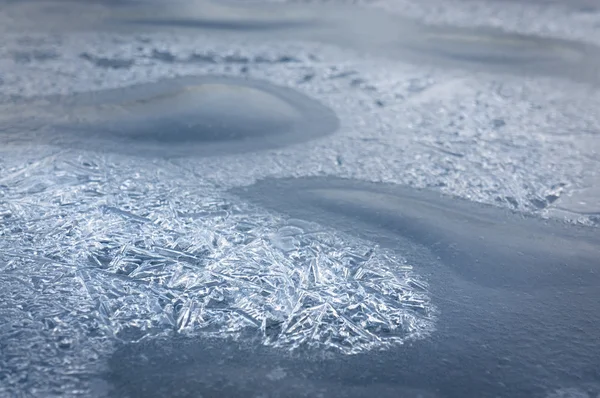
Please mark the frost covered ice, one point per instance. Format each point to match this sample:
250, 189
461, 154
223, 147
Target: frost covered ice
96, 249
233, 273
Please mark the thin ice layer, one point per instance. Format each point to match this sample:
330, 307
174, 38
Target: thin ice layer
95, 249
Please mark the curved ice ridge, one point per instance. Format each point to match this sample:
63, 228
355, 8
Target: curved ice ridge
159, 252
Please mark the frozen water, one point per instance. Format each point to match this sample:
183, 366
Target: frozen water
484, 245
186, 116
95, 250
103, 258
371, 31
520, 289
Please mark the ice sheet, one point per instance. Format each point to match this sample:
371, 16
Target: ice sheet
77, 230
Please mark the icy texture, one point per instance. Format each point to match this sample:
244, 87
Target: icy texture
225, 272
399, 124
205, 115
93, 247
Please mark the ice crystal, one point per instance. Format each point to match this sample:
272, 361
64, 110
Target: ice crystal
96, 249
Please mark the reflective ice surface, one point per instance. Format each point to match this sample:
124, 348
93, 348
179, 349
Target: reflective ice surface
517, 295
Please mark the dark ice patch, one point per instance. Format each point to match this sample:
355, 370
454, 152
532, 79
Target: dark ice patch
214, 15
191, 116
184, 367
485, 245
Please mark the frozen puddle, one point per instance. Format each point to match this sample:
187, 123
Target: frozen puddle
189, 116
96, 250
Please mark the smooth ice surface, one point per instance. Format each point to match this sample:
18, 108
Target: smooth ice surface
186, 116
217, 15
238, 371
491, 102
485, 245
208, 112
517, 295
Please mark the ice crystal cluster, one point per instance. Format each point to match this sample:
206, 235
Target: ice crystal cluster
100, 247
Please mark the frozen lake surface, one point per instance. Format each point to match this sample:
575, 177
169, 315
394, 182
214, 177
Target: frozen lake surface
284, 199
